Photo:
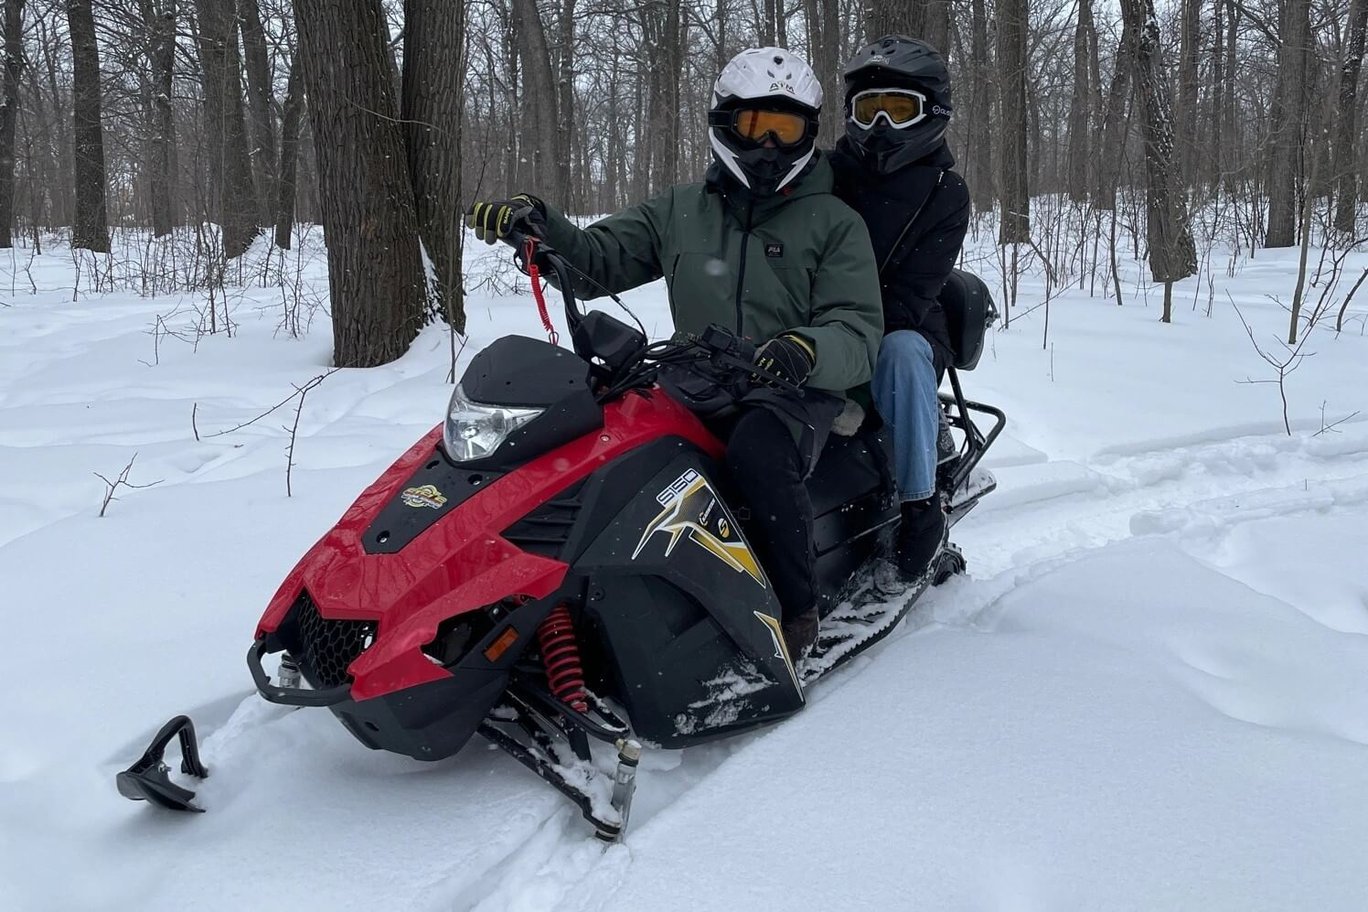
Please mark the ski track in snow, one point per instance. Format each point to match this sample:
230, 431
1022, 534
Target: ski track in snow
78, 395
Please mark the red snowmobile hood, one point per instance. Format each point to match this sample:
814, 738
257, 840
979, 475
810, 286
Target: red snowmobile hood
461, 563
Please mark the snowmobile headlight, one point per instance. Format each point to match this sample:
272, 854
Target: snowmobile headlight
474, 429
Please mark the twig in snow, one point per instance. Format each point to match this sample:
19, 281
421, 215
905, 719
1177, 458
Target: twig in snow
302, 391
120, 482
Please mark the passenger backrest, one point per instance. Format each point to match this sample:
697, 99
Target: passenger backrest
969, 311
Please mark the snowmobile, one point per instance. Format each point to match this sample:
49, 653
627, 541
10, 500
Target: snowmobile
559, 568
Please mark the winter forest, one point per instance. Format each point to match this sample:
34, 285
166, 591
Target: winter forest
1161, 130
260, 391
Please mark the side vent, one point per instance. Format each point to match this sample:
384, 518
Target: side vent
545, 530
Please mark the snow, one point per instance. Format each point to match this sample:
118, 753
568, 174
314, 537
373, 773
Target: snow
1149, 692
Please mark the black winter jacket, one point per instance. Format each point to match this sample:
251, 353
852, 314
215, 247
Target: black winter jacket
917, 218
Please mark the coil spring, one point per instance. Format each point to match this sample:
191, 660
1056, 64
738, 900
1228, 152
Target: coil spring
560, 654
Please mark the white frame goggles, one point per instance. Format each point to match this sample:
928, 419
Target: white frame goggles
923, 104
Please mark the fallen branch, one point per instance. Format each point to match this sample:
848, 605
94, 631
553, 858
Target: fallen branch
120, 482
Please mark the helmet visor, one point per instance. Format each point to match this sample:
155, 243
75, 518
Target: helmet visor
754, 124
901, 108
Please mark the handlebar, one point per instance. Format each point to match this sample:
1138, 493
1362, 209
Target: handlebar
717, 353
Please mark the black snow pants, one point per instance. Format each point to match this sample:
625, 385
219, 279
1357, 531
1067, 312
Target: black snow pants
767, 471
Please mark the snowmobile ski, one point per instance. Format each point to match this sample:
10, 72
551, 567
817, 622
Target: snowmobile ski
148, 779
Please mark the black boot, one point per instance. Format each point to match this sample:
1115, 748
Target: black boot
800, 632
920, 536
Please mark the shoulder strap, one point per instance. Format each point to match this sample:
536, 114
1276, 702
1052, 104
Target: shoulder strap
893, 251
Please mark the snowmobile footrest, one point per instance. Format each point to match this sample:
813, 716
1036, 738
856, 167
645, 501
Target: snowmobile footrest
148, 779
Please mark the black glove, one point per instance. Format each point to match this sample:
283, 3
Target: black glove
788, 357
494, 220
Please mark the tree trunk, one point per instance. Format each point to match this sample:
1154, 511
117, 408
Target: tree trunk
1231, 161
9, 114
565, 105
289, 157
1108, 164
1172, 255
233, 200
541, 165
1185, 124
259, 98
1346, 159
980, 160
375, 269
1080, 105
1287, 135
91, 226
159, 23
928, 20
1015, 226
433, 87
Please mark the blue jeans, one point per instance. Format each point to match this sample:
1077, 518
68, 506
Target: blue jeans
905, 394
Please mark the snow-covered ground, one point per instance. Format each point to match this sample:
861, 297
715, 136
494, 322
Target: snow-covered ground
1149, 692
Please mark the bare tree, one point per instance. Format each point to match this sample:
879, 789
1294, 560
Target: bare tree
9, 113
159, 24
375, 271
1172, 255
432, 92
233, 197
1287, 139
259, 98
91, 228
1081, 104
1345, 170
289, 156
1015, 225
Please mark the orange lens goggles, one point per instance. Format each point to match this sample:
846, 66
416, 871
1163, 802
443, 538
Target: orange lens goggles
900, 107
754, 124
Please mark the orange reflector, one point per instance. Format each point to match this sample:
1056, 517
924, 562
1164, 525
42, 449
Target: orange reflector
497, 648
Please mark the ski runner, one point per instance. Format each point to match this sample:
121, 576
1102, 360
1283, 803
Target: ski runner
893, 167
764, 247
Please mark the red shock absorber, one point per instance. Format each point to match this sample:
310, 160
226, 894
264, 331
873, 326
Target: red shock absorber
560, 654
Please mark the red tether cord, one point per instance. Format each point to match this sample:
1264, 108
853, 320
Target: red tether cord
533, 273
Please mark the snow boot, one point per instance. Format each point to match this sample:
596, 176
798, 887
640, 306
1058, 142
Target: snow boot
920, 536
800, 632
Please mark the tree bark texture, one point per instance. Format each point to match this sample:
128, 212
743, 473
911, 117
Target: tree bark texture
431, 110
1287, 123
375, 270
289, 156
1345, 151
9, 114
232, 196
159, 24
542, 160
1015, 225
90, 229
1108, 165
979, 166
1186, 119
928, 20
259, 98
1172, 255
1080, 105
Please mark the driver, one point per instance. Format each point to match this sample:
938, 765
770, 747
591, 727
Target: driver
763, 247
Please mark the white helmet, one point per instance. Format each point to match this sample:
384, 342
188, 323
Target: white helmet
768, 151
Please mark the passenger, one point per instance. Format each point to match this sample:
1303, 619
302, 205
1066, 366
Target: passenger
763, 247
894, 168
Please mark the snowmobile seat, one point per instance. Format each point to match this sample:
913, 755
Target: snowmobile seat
969, 311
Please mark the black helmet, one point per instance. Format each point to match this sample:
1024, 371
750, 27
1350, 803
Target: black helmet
900, 63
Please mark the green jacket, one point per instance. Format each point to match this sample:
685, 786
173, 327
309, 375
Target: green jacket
798, 261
